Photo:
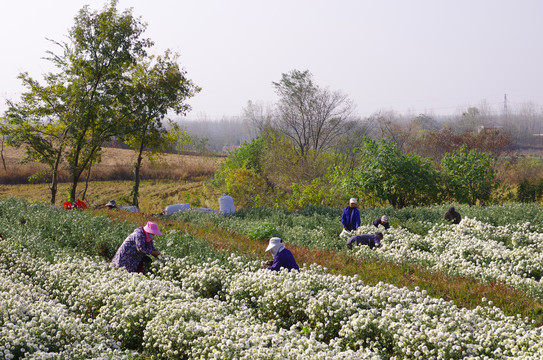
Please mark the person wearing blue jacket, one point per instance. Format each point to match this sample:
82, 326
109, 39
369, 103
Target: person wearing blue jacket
383, 220
282, 257
351, 216
372, 240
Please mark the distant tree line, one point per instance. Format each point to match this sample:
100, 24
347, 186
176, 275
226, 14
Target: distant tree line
215, 136
312, 148
426, 134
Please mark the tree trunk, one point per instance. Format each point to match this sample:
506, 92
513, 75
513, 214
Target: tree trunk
87, 181
137, 168
77, 168
2, 154
75, 175
54, 180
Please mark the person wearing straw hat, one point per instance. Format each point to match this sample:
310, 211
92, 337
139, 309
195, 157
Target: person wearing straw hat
383, 220
351, 216
132, 254
282, 257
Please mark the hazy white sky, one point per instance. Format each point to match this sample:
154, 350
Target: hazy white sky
431, 56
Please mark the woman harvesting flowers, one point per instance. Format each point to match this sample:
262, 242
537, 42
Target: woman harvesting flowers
132, 254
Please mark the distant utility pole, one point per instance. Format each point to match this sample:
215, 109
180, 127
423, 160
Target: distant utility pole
505, 104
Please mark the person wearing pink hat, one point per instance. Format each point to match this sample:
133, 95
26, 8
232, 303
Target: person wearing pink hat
132, 254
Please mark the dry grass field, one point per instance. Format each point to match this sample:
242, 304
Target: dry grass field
115, 164
169, 180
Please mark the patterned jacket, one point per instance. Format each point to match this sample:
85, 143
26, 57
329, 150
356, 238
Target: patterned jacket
132, 251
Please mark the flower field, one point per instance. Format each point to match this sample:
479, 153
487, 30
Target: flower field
512, 254
59, 300
506, 245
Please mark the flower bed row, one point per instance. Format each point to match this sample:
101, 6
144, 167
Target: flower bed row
81, 307
501, 246
512, 254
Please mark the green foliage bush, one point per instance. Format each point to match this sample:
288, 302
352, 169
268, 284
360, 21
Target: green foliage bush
318, 192
391, 176
530, 190
262, 232
469, 176
267, 172
247, 156
246, 186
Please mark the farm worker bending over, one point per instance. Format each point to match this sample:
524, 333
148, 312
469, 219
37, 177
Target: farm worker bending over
132, 254
452, 215
372, 240
282, 257
111, 205
383, 220
351, 216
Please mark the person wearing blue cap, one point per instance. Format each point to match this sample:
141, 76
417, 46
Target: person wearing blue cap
282, 257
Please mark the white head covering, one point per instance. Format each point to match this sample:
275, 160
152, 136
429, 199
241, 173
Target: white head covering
275, 245
353, 201
384, 218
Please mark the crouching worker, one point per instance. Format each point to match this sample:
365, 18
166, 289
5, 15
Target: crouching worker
111, 205
132, 254
372, 240
383, 220
282, 257
452, 215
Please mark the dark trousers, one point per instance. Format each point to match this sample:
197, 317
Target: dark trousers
145, 262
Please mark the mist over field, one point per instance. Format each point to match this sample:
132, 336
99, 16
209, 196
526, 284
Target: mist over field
524, 123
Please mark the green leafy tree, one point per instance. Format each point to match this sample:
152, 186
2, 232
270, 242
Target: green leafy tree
248, 155
102, 66
36, 122
101, 48
157, 86
388, 175
469, 175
